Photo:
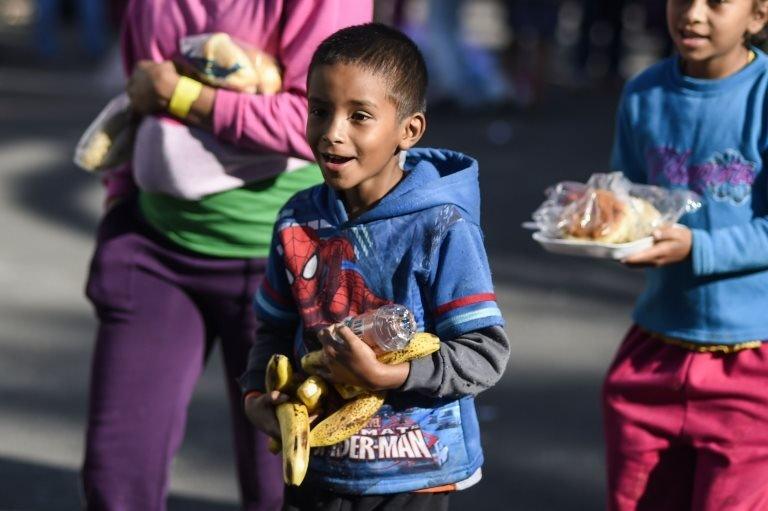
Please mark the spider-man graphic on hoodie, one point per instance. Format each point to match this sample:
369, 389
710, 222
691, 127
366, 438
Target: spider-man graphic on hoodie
323, 281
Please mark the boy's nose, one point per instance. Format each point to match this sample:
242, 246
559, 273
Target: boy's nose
335, 130
695, 12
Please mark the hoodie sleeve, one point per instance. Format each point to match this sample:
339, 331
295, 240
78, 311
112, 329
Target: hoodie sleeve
474, 349
737, 248
465, 365
274, 301
278, 319
461, 291
270, 339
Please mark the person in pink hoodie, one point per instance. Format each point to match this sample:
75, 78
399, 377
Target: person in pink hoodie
182, 246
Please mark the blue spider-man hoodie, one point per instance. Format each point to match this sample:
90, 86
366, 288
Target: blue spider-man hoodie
421, 246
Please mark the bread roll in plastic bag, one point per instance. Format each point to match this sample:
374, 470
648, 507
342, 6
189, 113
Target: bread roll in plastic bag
108, 140
610, 209
220, 61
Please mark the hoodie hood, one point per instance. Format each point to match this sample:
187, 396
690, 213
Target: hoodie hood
433, 177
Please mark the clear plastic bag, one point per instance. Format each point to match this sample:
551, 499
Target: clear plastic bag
221, 61
108, 140
610, 209
214, 58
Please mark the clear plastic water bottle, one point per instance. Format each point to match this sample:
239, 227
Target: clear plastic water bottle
388, 328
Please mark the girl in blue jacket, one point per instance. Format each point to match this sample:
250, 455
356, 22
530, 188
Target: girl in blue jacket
686, 399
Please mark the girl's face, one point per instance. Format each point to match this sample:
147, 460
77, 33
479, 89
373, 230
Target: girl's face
710, 34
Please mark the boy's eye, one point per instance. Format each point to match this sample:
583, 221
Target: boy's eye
360, 116
316, 111
710, 2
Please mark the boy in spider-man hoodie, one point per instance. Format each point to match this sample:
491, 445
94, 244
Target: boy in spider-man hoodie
391, 224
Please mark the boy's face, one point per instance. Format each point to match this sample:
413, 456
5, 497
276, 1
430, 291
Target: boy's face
709, 34
355, 134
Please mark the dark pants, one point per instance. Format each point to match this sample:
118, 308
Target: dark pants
160, 308
305, 498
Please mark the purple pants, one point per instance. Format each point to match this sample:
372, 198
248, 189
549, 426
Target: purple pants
160, 308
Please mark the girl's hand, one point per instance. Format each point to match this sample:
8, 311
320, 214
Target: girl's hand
671, 245
261, 412
151, 85
351, 361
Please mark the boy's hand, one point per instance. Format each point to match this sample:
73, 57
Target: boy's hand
151, 85
261, 412
671, 245
351, 361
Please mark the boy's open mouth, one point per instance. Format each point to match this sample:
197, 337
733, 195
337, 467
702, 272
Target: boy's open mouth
335, 159
687, 34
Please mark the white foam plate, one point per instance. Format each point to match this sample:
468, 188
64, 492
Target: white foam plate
591, 248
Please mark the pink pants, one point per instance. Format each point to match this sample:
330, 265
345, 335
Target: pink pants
686, 430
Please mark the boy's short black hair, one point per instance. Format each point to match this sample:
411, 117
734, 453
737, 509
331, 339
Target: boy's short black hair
384, 51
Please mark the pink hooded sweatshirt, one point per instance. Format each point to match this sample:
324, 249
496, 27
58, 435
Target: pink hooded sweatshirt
290, 30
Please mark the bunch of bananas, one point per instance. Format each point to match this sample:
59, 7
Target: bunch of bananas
346, 411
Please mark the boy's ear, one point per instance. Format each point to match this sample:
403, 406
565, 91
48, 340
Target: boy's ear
413, 129
759, 18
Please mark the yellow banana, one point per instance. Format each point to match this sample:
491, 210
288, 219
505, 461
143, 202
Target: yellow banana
348, 391
420, 345
279, 373
312, 361
311, 391
294, 432
347, 420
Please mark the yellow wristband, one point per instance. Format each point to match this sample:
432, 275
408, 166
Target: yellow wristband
186, 92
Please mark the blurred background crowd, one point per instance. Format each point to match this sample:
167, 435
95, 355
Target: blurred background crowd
509, 50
